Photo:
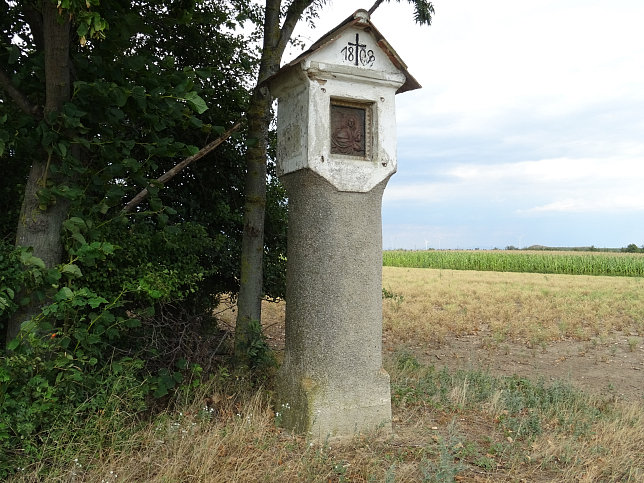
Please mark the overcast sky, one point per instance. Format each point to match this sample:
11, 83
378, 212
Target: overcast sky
529, 128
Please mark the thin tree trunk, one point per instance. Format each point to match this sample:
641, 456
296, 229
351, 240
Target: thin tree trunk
39, 228
249, 306
252, 250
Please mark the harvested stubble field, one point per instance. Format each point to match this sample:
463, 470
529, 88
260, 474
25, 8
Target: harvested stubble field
588, 330
487, 374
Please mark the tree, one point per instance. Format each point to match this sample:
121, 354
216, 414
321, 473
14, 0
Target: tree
134, 108
632, 248
127, 307
279, 22
39, 224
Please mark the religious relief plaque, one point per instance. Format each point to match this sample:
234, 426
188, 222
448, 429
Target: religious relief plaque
350, 129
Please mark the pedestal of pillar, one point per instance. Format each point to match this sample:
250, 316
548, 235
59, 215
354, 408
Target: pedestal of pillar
332, 382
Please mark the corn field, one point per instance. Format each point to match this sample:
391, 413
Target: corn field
571, 263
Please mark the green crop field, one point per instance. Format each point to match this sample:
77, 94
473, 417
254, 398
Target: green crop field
571, 263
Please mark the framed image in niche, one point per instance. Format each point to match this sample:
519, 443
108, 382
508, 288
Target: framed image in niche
351, 129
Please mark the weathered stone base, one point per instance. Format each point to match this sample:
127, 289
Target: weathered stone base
322, 412
332, 383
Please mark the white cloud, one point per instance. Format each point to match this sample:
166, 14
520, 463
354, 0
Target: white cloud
606, 204
530, 187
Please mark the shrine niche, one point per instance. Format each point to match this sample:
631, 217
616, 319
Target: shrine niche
336, 107
350, 129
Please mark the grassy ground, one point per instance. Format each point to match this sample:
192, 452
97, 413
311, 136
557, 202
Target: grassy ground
449, 424
461, 426
427, 305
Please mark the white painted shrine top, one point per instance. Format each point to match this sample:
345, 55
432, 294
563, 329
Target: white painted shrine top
336, 111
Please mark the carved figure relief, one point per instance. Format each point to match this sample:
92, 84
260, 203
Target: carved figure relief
348, 130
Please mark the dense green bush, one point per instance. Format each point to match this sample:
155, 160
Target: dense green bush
92, 355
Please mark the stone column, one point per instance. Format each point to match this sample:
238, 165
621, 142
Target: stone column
332, 382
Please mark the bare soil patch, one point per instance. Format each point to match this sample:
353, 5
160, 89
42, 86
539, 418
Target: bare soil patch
610, 365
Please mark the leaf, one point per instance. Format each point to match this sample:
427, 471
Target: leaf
119, 96
96, 301
64, 293
139, 96
13, 344
72, 270
74, 224
196, 102
29, 260
107, 248
79, 238
161, 391
132, 323
82, 29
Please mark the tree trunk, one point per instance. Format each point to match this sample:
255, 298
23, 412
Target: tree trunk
249, 306
39, 228
252, 251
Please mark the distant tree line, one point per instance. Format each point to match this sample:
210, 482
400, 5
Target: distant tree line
633, 248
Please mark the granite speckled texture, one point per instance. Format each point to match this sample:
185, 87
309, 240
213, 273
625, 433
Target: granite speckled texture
332, 382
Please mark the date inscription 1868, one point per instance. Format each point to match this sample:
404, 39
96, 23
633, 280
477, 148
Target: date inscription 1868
357, 53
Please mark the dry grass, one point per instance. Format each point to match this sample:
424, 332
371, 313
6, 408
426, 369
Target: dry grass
448, 425
235, 439
530, 307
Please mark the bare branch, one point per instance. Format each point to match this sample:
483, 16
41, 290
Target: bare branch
293, 14
375, 6
134, 202
18, 97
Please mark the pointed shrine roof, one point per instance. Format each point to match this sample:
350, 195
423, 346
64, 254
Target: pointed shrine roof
360, 19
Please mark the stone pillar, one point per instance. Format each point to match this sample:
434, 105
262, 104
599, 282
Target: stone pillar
336, 150
332, 382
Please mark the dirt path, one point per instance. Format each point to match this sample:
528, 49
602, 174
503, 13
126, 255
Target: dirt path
612, 366
609, 367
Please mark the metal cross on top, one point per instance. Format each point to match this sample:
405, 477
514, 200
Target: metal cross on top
358, 54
